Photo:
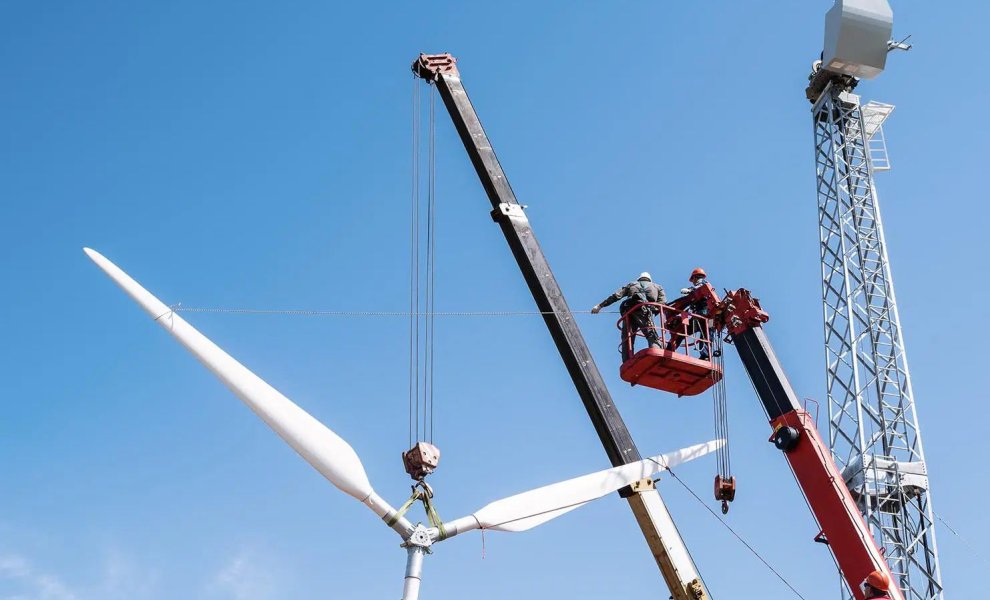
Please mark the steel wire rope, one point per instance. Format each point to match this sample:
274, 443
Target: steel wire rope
412, 242
414, 313
720, 408
736, 534
972, 549
431, 254
289, 312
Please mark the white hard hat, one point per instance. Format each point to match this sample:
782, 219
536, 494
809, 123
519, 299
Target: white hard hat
645, 275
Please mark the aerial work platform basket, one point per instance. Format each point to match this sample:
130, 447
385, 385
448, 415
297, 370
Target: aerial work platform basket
671, 367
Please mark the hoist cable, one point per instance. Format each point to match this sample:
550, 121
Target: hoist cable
720, 410
417, 118
428, 281
432, 250
414, 313
422, 277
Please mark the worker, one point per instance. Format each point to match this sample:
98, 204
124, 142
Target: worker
636, 295
876, 585
698, 279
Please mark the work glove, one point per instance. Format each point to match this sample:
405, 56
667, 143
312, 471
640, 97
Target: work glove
596, 309
685, 291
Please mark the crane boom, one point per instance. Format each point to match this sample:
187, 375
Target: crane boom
795, 433
669, 551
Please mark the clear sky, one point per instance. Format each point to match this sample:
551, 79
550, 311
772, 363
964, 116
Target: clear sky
248, 154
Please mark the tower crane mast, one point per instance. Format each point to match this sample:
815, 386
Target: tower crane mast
874, 432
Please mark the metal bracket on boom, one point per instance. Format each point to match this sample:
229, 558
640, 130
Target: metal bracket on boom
644, 485
509, 210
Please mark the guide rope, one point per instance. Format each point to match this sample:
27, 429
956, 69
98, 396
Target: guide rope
965, 542
737, 535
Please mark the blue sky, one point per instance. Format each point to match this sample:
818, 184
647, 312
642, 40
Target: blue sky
253, 155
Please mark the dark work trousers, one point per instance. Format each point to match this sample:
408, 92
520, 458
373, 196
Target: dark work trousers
702, 343
639, 320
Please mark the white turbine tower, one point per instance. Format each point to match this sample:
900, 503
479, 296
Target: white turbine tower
337, 461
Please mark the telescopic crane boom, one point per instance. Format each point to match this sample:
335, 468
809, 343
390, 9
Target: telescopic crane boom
669, 550
740, 318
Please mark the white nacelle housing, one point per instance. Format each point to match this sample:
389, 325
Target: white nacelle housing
856, 36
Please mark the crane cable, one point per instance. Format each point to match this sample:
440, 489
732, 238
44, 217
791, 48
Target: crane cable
414, 313
721, 415
431, 259
422, 274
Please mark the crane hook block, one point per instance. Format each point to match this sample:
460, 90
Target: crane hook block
421, 460
725, 488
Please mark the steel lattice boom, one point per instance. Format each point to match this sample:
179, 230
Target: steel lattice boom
873, 426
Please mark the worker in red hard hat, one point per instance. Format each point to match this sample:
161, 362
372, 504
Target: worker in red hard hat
698, 279
640, 304
876, 585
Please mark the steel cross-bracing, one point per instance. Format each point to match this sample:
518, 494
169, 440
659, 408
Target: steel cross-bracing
873, 426
671, 554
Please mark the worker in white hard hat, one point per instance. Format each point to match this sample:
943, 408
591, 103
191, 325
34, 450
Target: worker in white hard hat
640, 304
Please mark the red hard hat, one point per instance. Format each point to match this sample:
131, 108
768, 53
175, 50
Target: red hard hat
696, 272
879, 580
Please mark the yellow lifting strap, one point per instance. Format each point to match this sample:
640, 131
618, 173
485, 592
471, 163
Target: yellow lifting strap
424, 493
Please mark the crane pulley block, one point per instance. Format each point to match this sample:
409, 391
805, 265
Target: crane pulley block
740, 311
421, 460
428, 66
725, 490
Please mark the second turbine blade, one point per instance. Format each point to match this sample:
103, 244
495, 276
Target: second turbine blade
529, 509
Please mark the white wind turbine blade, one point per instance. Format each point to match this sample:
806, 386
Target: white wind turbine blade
529, 509
327, 452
